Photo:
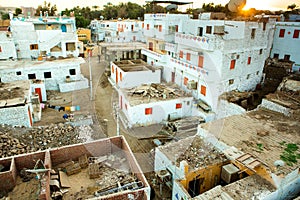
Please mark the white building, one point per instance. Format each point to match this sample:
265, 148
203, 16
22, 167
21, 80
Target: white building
219, 55
286, 44
117, 30
132, 73
153, 104
52, 46
18, 107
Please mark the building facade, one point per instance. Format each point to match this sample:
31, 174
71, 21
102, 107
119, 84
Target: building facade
286, 43
219, 55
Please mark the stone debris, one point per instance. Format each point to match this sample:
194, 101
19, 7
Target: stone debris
200, 154
19, 140
156, 91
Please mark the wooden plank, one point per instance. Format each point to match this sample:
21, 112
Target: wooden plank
64, 180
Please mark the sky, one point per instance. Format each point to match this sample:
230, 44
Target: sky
62, 4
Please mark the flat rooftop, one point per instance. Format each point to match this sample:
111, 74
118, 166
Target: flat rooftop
14, 93
263, 133
153, 93
196, 152
134, 65
28, 63
122, 46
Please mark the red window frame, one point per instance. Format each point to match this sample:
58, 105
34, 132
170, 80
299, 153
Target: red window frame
180, 54
296, 34
185, 81
188, 56
178, 105
249, 61
232, 64
281, 33
203, 90
148, 111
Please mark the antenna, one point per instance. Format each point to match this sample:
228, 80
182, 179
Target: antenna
236, 5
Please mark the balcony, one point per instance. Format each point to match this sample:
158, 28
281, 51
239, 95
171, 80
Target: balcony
154, 55
171, 47
193, 41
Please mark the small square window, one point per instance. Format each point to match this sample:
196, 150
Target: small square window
276, 55
34, 47
248, 76
47, 75
72, 72
257, 73
148, 111
231, 81
208, 29
19, 73
260, 51
31, 76
253, 33
178, 105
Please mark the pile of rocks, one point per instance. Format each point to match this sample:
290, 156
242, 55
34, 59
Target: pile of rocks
18, 140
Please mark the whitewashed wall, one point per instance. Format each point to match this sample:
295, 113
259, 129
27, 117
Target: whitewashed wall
15, 116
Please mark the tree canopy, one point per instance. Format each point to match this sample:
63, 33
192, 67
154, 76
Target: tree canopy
51, 10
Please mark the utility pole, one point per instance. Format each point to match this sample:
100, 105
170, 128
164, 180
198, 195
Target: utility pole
90, 69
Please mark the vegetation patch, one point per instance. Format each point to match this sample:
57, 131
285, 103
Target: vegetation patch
290, 154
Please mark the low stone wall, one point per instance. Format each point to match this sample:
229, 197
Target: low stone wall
275, 107
75, 85
15, 116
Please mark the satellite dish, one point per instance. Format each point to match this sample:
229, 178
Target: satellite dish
236, 5
101, 17
172, 7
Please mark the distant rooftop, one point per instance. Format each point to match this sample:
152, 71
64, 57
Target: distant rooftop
170, 1
26, 63
134, 65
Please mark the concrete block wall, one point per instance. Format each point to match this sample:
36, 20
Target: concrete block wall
8, 177
15, 116
226, 109
275, 107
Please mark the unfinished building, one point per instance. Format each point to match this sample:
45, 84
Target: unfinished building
102, 169
132, 73
18, 107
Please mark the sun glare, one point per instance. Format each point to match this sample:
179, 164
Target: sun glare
258, 5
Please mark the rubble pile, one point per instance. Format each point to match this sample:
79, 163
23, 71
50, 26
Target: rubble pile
19, 140
155, 91
201, 154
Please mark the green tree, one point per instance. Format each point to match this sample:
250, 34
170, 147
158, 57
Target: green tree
4, 16
46, 8
292, 6
154, 8
18, 11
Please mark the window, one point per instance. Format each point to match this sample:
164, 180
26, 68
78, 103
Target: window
286, 57
70, 46
31, 76
253, 33
200, 61
143, 25
232, 64
249, 61
281, 32
47, 74
276, 55
257, 73
248, 76
208, 29
148, 111
181, 54
188, 56
34, 47
19, 73
260, 51
178, 105
72, 72
231, 81
296, 34
200, 31
112, 69
203, 90
148, 26
185, 81
160, 28
176, 28
0, 49
121, 76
